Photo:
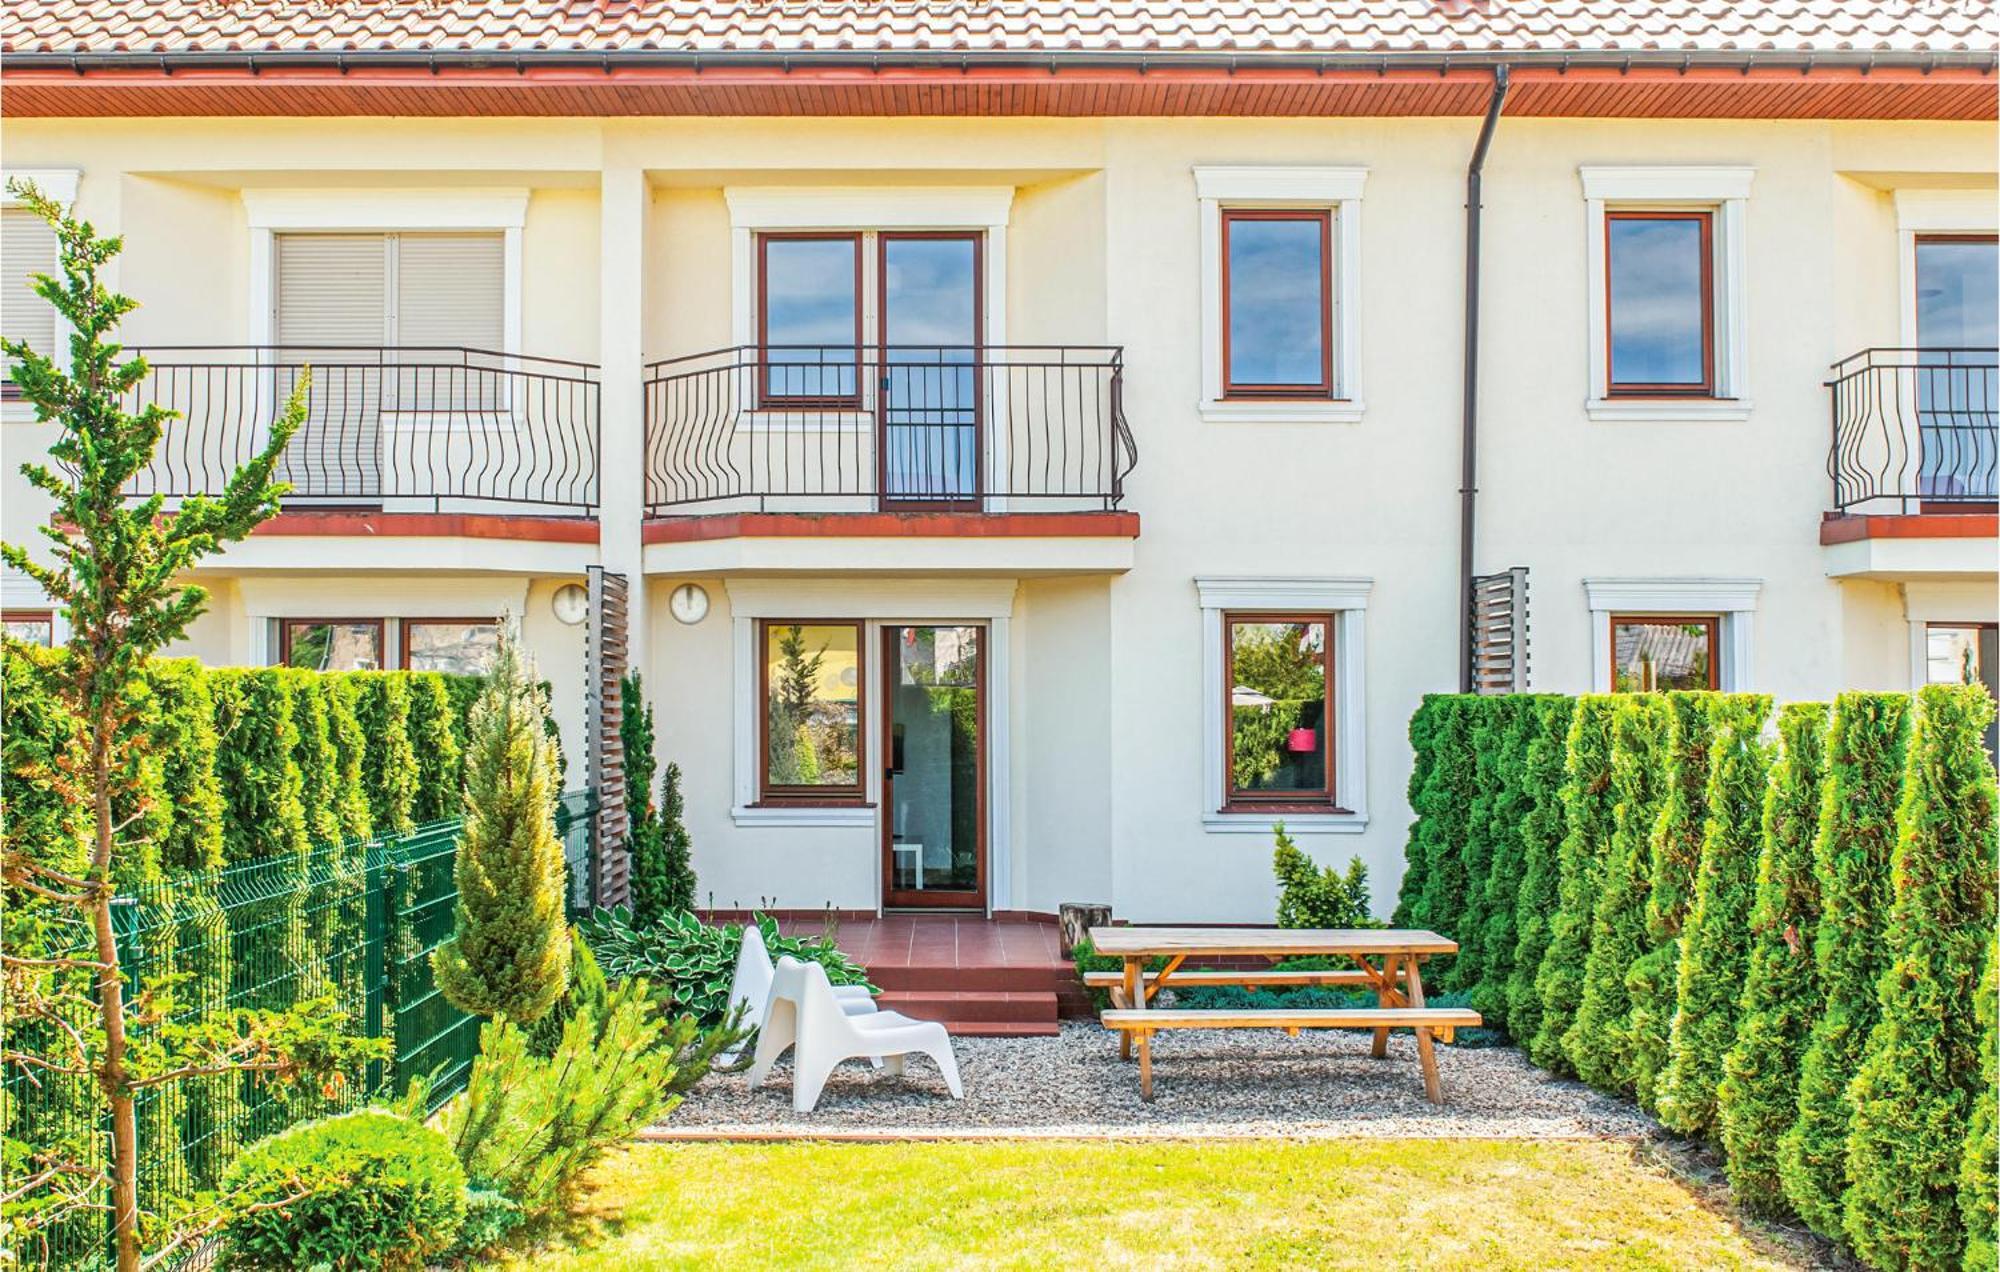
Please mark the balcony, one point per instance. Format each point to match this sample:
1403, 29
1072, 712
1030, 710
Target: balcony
429, 431
1915, 463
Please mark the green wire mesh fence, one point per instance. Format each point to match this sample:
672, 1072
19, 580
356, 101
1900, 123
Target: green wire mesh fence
356, 921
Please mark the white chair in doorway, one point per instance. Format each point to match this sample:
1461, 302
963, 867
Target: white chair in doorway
804, 1013
750, 989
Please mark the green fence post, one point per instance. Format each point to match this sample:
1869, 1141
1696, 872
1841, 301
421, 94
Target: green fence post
374, 939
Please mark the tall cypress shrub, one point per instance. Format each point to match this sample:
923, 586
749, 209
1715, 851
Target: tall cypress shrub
183, 737
1921, 1072
319, 766
677, 846
1759, 1097
1653, 981
1486, 718
264, 821
1715, 944
646, 840
1447, 812
1857, 834
389, 765
434, 735
1979, 1172
1508, 810
1598, 1042
350, 751
1410, 892
1541, 861
1587, 818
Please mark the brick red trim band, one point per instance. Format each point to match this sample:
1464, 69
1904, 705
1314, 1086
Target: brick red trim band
443, 525
1841, 528
894, 525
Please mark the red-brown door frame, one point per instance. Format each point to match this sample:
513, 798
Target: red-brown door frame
927, 897
883, 366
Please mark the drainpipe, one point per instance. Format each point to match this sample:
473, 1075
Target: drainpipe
1468, 487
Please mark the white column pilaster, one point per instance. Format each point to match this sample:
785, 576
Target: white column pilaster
624, 200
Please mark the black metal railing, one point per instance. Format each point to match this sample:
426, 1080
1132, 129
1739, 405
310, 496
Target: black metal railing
420, 429
823, 430
1914, 430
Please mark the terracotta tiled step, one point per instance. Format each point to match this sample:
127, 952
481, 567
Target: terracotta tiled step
977, 1012
1051, 979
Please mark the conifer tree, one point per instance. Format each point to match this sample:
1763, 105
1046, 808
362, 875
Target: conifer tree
350, 750
677, 848
1857, 834
1541, 864
510, 954
1487, 717
1921, 1071
1598, 1042
1759, 1096
319, 766
1507, 815
646, 840
1447, 812
434, 738
389, 764
1653, 981
1979, 1173
1587, 817
1410, 892
1715, 943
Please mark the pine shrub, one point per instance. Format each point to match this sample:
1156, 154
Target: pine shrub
1507, 809
1315, 896
389, 765
434, 735
1598, 1043
1588, 804
509, 955
1715, 943
1921, 1071
1979, 1172
1488, 717
1653, 981
1857, 834
1446, 815
1541, 862
1759, 1097
1409, 912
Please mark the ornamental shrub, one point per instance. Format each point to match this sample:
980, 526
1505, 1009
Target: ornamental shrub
319, 766
1598, 1042
1312, 896
1715, 942
1759, 1097
690, 964
587, 992
1979, 1172
256, 763
367, 1189
676, 846
1857, 834
441, 774
1487, 720
350, 752
646, 831
1653, 981
1410, 892
1541, 864
1507, 810
1588, 805
509, 953
1446, 814
389, 765
1921, 1071
183, 738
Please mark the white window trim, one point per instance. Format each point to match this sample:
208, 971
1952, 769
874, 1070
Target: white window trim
19, 592
1924, 212
1337, 190
60, 185
988, 602
1722, 190
384, 212
1347, 599
1733, 600
1952, 602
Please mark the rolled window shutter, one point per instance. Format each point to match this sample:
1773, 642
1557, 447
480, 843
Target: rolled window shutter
332, 290
27, 247
450, 291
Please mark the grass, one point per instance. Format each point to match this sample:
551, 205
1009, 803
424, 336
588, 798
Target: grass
1269, 1203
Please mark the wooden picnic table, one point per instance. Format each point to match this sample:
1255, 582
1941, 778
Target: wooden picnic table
1387, 960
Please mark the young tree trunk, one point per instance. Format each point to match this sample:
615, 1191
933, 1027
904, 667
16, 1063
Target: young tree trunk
111, 1007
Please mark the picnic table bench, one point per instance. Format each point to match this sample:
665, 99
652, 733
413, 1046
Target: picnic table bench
1387, 960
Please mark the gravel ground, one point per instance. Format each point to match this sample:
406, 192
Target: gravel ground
1206, 1082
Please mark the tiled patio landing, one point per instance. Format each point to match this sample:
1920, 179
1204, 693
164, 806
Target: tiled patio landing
979, 976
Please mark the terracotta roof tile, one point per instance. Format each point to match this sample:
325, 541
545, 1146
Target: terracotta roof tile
1003, 26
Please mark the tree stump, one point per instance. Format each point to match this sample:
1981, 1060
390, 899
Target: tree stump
1077, 918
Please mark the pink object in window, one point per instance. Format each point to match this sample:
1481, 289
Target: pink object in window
1302, 740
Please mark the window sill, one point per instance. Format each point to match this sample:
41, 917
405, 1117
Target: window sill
803, 815
1668, 410
1281, 411
1302, 821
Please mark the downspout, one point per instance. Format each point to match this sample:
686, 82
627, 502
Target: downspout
1468, 481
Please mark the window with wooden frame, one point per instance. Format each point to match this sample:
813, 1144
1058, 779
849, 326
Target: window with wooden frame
455, 646
1652, 653
1660, 303
1277, 303
1278, 719
809, 319
812, 741
331, 644
31, 627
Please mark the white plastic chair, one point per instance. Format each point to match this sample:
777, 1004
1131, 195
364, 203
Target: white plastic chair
803, 1012
750, 988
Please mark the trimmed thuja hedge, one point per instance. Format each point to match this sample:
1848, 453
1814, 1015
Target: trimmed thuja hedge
1772, 933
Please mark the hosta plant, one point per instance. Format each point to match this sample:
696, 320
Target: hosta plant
690, 963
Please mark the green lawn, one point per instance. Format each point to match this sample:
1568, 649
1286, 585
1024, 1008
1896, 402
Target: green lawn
1352, 1203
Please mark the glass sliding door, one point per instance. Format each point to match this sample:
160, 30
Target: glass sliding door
929, 401
1958, 326
934, 766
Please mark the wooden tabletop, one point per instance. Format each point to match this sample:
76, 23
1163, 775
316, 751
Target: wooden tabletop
1128, 942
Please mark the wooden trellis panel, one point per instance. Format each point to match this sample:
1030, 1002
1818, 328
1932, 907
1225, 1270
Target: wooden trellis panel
1499, 621
605, 661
